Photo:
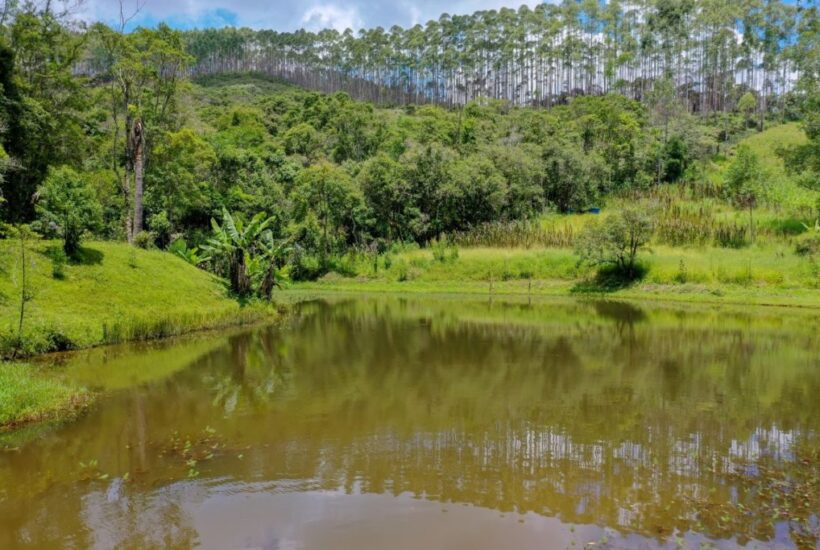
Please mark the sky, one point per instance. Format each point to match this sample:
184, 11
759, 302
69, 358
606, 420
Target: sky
288, 15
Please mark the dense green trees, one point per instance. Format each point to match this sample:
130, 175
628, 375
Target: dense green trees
141, 71
327, 206
41, 104
631, 94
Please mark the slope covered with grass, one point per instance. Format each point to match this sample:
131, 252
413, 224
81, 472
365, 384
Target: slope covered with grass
112, 293
29, 395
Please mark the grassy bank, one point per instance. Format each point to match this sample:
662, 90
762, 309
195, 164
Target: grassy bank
27, 394
113, 293
765, 274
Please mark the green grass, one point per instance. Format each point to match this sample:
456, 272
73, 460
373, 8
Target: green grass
764, 274
782, 193
114, 293
28, 395
765, 144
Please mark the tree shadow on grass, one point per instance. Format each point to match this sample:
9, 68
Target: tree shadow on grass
609, 279
85, 256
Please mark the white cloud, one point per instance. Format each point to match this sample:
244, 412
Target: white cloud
415, 14
287, 15
330, 16
469, 6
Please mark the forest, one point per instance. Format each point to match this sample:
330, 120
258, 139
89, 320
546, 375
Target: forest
265, 157
710, 51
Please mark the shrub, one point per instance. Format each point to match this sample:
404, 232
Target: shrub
161, 228
682, 276
58, 261
402, 270
145, 240
744, 181
442, 252
305, 267
616, 241
346, 264
132, 259
787, 227
67, 205
808, 244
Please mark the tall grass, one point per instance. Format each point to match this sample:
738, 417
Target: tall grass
173, 325
46, 338
518, 234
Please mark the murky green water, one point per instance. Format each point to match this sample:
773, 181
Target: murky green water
422, 423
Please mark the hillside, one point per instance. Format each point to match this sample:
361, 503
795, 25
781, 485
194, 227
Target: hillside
538, 258
113, 292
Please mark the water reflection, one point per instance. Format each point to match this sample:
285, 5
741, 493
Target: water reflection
655, 422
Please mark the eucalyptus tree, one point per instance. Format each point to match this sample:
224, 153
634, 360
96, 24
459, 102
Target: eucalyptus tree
707, 48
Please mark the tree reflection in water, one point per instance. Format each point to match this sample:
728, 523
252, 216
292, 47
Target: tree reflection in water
654, 421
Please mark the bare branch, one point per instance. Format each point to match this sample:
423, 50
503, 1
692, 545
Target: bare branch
125, 19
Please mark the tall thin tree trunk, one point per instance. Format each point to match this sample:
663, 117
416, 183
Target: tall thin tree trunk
24, 295
139, 164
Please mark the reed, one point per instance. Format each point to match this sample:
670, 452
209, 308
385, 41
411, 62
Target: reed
174, 325
517, 234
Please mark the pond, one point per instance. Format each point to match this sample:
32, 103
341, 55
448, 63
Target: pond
389, 422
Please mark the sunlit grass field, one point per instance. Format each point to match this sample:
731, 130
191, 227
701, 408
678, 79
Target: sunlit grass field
114, 293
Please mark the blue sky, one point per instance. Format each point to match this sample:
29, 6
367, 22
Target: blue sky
288, 15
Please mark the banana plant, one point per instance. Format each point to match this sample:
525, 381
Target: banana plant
191, 255
264, 268
233, 243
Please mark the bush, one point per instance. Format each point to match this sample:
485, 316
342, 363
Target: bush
305, 267
808, 244
787, 227
442, 252
346, 264
145, 239
58, 261
67, 203
616, 241
161, 228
